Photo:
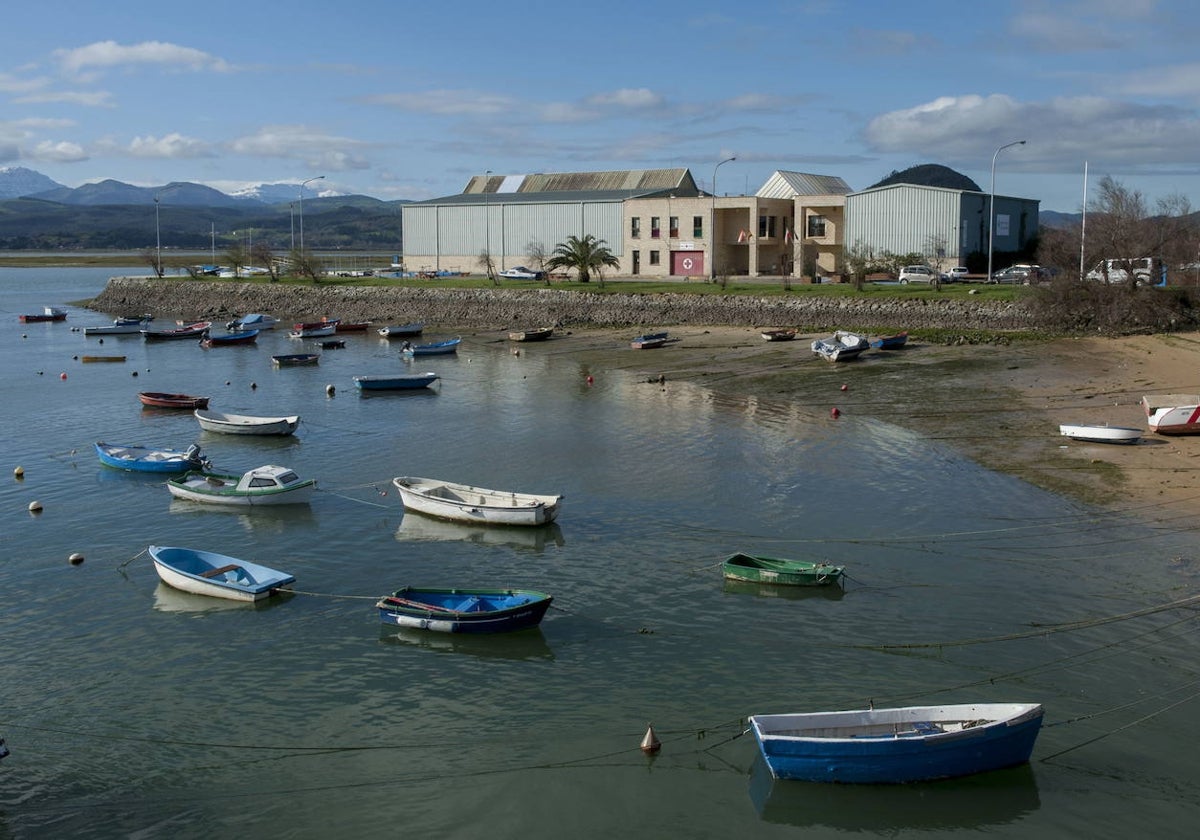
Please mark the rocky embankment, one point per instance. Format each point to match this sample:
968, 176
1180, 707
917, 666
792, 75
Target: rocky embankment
506, 308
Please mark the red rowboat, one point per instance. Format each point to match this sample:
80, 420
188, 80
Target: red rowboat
160, 400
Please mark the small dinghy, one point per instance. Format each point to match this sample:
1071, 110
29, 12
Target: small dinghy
245, 424
840, 347
145, 459
758, 569
1100, 434
464, 610
465, 503
208, 573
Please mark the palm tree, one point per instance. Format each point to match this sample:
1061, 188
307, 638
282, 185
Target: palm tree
585, 254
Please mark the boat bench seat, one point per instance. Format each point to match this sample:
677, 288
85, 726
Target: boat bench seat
472, 603
211, 573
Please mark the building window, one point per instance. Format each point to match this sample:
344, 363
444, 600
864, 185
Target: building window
654, 258
698, 227
816, 226
655, 229
766, 227
637, 262
635, 227
673, 227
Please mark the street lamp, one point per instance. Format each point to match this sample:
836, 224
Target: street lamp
992, 204
487, 224
712, 222
157, 239
302, 185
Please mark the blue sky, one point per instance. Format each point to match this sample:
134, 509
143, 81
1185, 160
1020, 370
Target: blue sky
408, 100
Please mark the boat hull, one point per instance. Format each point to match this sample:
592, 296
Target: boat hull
465, 503
296, 359
217, 575
650, 341
903, 746
118, 329
1101, 434
1173, 414
464, 610
402, 330
540, 334
157, 399
402, 382
214, 489
241, 424
143, 459
779, 572
841, 347
785, 334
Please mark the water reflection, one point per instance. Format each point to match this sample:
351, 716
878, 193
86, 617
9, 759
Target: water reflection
525, 644
987, 799
833, 592
415, 526
169, 599
270, 519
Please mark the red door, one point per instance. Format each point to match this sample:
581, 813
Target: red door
687, 263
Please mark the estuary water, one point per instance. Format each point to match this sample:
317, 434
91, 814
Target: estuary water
133, 710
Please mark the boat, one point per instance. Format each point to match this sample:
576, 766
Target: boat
649, 341
245, 424
196, 329
267, 485
50, 313
1173, 414
158, 399
353, 326
401, 330
755, 568
145, 459
435, 348
896, 745
840, 347
1100, 433
333, 344
395, 382
208, 573
296, 359
891, 342
464, 610
87, 359
536, 334
315, 329
779, 333
120, 326
230, 339
464, 503
253, 321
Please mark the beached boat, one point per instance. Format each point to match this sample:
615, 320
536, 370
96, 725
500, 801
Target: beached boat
779, 334
402, 330
121, 326
296, 359
208, 573
465, 503
253, 321
537, 334
333, 344
435, 348
49, 313
840, 347
890, 746
266, 485
145, 459
196, 329
891, 342
649, 341
464, 610
353, 326
314, 329
1100, 433
775, 570
1173, 414
158, 399
395, 382
87, 359
245, 424
230, 339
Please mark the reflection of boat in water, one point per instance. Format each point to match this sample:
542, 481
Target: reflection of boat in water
972, 802
524, 644
794, 593
169, 599
269, 519
418, 527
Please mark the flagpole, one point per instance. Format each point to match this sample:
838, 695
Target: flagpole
1083, 223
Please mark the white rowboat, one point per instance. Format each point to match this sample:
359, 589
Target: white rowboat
465, 503
1100, 434
245, 424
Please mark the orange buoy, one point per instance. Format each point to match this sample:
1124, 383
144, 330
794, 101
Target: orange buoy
835, 412
650, 743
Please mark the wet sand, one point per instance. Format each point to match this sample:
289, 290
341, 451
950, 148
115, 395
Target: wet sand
999, 404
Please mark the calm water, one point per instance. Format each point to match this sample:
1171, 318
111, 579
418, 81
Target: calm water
135, 710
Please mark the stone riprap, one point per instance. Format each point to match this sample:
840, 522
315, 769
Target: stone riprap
498, 308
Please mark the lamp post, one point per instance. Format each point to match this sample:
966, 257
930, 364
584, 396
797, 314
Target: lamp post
487, 224
302, 185
712, 222
992, 204
157, 239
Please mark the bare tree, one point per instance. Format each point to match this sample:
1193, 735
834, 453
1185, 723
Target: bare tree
488, 265
261, 253
237, 258
857, 257
536, 252
1121, 232
304, 264
150, 258
935, 256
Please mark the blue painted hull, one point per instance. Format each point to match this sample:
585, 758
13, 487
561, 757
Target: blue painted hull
142, 459
464, 610
440, 348
910, 755
395, 383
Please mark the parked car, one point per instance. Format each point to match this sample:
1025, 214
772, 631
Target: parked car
958, 274
520, 272
916, 274
1024, 274
1147, 271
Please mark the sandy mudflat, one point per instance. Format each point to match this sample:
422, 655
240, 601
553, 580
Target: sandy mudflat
999, 404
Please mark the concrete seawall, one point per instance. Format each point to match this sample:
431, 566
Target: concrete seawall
509, 308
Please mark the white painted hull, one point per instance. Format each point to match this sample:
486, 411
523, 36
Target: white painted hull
1173, 414
241, 424
465, 503
193, 490
1100, 434
185, 583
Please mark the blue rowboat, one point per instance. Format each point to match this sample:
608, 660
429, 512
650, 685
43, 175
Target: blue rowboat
891, 342
891, 746
145, 459
395, 382
464, 610
436, 348
218, 575
296, 359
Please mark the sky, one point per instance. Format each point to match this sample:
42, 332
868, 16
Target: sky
406, 100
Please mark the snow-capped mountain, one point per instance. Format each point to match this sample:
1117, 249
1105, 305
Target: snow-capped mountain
17, 181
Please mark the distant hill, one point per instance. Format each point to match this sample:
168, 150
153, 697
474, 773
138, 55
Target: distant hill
17, 181
117, 192
1055, 219
930, 175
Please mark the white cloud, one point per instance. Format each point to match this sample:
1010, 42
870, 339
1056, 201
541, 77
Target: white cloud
48, 151
314, 148
106, 55
95, 99
446, 102
172, 145
631, 98
13, 84
1081, 26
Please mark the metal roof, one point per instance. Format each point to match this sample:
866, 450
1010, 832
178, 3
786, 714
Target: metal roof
561, 197
791, 184
633, 181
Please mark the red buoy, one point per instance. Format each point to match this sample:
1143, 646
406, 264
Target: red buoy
845, 387
835, 412
589, 379
62, 375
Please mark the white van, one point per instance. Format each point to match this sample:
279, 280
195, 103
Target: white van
1147, 270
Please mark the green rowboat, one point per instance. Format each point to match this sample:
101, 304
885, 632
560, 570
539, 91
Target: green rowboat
758, 569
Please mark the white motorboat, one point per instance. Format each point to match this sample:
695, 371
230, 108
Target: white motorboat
1100, 434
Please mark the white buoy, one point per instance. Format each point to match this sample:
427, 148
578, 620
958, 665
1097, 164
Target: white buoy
329, 390
19, 472
650, 743
35, 507
75, 559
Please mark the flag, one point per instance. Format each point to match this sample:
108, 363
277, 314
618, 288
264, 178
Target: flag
787, 235
743, 236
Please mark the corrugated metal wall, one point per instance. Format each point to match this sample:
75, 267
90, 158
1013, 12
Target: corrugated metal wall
903, 220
